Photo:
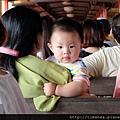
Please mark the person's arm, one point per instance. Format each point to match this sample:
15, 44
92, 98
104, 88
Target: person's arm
77, 87
72, 89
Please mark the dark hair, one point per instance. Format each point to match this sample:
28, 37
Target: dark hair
3, 34
106, 26
93, 33
68, 25
116, 27
46, 24
23, 25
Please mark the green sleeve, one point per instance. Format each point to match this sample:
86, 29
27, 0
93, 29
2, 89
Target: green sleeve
33, 73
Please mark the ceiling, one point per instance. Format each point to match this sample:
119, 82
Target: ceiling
83, 9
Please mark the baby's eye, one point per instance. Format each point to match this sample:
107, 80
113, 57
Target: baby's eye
72, 46
59, 47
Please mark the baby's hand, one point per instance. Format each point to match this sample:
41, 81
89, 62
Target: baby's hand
49, 88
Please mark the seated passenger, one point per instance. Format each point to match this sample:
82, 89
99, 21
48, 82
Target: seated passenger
24, 26
11, 98
105, 62
93, 37
46, 25
109, 40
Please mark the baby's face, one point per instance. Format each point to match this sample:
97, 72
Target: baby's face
66, 46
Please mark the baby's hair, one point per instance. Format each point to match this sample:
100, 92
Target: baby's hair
67, 25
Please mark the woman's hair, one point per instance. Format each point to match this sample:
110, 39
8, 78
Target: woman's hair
116, 27
3, 34
68, 25
93, 33
46, 24
23, 25
106, 26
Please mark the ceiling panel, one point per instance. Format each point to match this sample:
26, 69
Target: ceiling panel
83, 9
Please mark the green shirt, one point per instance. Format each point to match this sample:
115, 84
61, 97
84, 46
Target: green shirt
33, 73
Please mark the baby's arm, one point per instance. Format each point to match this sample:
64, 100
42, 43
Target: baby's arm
72, 89
77, 87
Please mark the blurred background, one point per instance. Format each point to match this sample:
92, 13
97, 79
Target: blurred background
77, 9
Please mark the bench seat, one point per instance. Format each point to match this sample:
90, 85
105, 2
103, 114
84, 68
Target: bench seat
101, 86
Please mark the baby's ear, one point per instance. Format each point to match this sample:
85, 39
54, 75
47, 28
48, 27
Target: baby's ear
50, 46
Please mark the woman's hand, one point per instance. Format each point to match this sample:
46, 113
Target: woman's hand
49, 88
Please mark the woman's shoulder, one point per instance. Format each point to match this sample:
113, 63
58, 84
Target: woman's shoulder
34, 64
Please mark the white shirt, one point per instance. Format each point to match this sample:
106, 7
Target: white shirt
104, 63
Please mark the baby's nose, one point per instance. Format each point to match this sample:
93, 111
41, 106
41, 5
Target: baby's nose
66, 51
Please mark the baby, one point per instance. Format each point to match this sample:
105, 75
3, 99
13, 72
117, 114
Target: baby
66, 42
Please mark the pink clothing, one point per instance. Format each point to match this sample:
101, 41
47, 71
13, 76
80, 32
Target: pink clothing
117, 86
9, 51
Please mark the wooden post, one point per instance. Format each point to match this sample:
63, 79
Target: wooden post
119, 6
100, 15
6, 5
0, 8
104, 13
97, 16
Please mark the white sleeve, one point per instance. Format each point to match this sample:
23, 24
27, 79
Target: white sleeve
95, 63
